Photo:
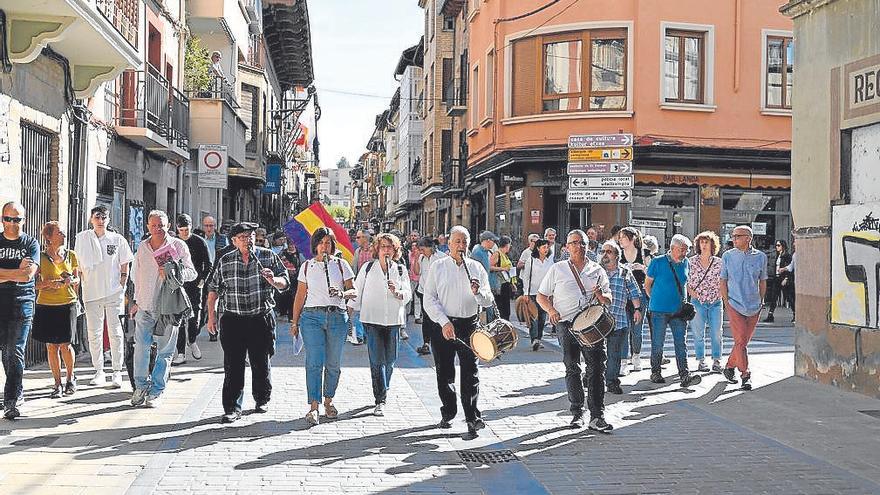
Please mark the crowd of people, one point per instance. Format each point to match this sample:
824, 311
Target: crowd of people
238, 285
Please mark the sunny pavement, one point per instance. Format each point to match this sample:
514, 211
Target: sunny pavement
786, 436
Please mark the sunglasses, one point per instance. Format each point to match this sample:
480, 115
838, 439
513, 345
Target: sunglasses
13, 219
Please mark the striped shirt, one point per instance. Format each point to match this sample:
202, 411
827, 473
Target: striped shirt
623, 288
241, 288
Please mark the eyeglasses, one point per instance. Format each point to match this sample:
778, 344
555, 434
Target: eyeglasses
13, 219
100, 216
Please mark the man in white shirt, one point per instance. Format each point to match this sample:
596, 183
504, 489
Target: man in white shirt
454, 291
150, 324
557, 251
104, 259
563, 296
527, 252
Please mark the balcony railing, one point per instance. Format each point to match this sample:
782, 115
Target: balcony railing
218, 89
415, 175
455, 98
123, 15
146, 99
453, 174
255, 51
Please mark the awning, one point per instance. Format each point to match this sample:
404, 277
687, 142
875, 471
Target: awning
692, 178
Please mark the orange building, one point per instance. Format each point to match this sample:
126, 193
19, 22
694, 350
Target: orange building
703, 86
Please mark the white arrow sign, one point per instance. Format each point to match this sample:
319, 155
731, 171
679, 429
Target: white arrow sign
600, 168
600, 181
599, 196
599, 140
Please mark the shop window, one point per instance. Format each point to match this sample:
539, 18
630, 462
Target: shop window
684, 60
768, 213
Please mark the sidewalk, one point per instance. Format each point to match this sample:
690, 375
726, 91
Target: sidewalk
786, 436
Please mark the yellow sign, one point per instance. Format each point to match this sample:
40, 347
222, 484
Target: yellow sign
592, 154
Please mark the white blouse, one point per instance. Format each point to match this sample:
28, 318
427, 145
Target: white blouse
378, 306
533, 273
424, 265
314, 275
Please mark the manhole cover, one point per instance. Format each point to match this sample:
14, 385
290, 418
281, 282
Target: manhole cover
486, 456
874, 413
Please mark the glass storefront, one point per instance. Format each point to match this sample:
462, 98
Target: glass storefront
664, 212
767, 212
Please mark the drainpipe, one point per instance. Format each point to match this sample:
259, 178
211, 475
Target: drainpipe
737, 49
78, 147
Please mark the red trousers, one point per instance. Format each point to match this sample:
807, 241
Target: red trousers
742, 328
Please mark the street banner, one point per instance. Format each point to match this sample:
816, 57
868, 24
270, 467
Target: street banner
592, 154
600, 182
273, 179
213, 163
600, 140
599, 196
301, 227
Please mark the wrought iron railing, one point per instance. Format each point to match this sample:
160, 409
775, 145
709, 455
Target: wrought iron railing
255, 51
452, 172
122, 15
146, 99
218, 89
455, 93
179, 118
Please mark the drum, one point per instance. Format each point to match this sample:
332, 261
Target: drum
496, 338
592, 325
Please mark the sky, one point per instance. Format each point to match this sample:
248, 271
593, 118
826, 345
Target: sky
356, 45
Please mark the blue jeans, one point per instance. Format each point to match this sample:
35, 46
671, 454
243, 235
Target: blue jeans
616, 342
659, 322
633, 345
536, 329
382, 349
324, 334
356, 323
708, 315
14, 331
166, 345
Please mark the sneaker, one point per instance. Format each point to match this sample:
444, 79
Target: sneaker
99, 379
577, 421
701, 366
769, 318
599, 424
475, 426
57, 392
665, 361
536, 344
690, 379
637, 362
716, 366
330, 411
614, 388
623, 370
728, 375
379, 409
138, 397
403, 334
746, 382
657, 378
116, 380
70, 388
11, 413
212, 337
153, 401
424, 350
444, 424
230, 417
312, 417
358, 342
196, 352
179, 358
262, 408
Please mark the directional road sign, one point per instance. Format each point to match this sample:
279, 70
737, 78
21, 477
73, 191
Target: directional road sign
600, 181
599, 196
591, 154
600, 140
600, 168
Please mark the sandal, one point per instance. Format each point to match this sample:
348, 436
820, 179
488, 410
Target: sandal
312, 417
330, 411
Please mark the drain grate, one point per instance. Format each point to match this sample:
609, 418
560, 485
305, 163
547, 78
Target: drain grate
487, 456
874, 413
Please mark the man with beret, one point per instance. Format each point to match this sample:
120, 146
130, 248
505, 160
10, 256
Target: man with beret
245, 281
198, 250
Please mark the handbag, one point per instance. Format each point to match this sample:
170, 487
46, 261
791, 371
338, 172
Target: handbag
687, 311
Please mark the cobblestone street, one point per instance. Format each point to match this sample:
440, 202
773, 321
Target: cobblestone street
787, 436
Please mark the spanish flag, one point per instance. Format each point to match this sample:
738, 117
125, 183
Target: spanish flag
305, 223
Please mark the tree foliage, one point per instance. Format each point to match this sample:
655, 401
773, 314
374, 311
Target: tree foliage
196, 66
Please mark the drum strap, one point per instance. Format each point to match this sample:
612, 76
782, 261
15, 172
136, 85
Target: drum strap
577, 278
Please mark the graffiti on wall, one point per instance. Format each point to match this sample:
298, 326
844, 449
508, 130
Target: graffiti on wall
855, 262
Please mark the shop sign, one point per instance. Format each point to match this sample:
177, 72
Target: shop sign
273, 179
591, 154
213, 165
599, 196
644, 222
759, 228
861, 88
536, 217
599, 140
601, 168
600, 181
681, 179
512, 180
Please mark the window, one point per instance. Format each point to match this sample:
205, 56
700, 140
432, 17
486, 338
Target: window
475, 96
780, 56
447, 81
684, 59
490, 83
448, 23
579, 71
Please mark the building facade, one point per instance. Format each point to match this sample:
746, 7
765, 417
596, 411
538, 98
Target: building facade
837, 192
410, 139
705, 91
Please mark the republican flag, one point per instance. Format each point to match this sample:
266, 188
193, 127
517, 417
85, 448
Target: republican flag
305, 223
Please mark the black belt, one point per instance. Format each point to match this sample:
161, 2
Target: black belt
468, 319
328, 309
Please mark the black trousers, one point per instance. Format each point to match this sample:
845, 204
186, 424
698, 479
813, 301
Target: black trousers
444, 361
429, 328
502, 300
254, 337
594, 364
193, 325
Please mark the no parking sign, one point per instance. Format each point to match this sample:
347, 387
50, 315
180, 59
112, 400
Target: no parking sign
212, 166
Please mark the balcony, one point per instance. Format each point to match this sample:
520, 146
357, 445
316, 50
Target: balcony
452, 170
99, 38
219, 20
455, 99
254, 9
153, 114
214, 120
256, 52
289, 41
